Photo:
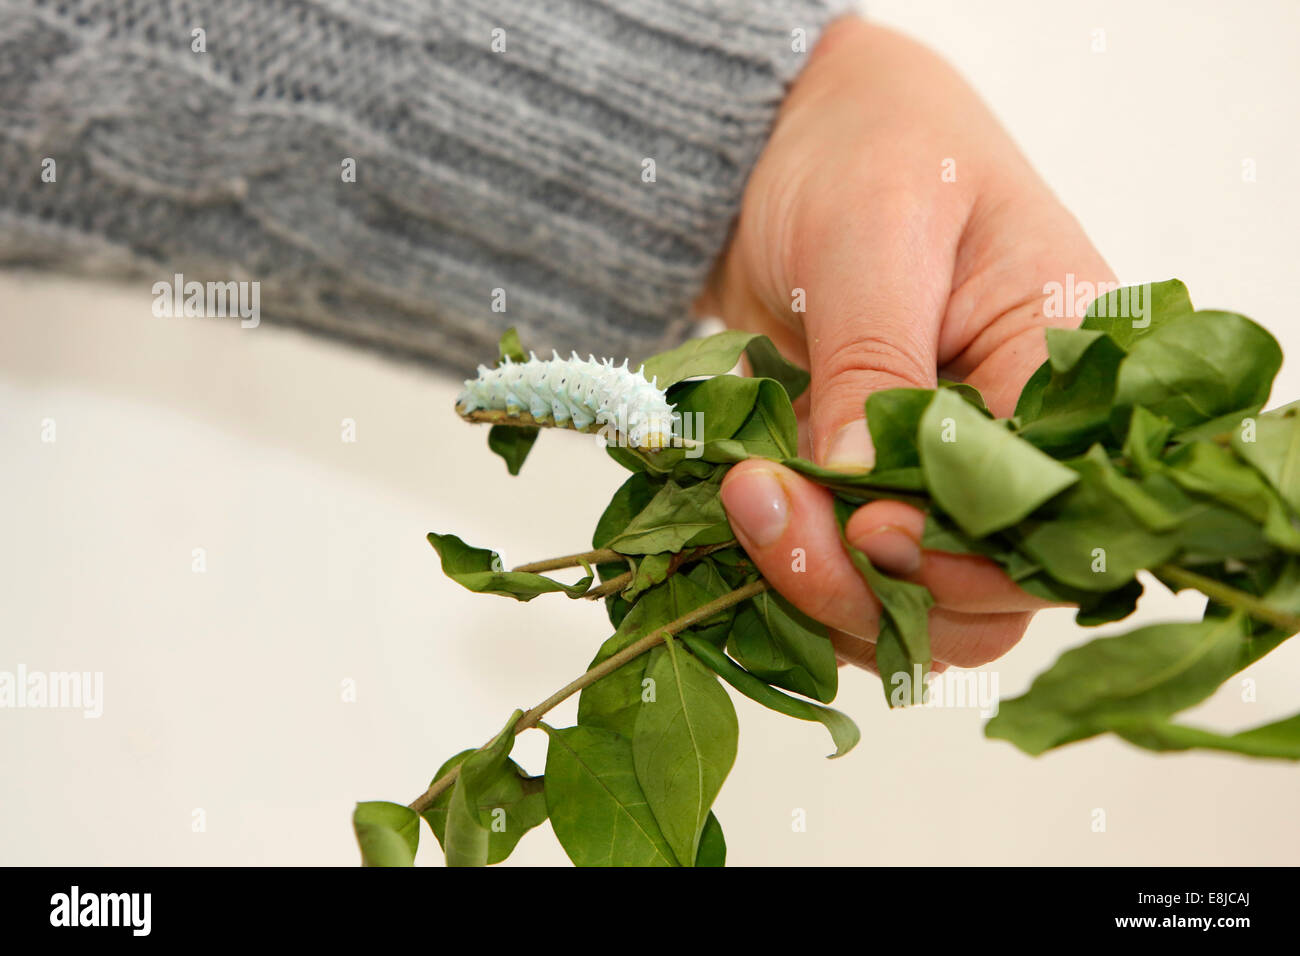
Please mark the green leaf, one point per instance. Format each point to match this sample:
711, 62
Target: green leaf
1097, 609
1208, 532
629, 501
735, 418
713, 845
712, 355
1067, 347
1280, 740
512, 443
597, 809
508, 791
614, 701
480, 570
466, 838
894, 418
652, 569
770, 431
633, 459
1200, 367
969, 392
1274, 449
1144, 675
465, 841
1124, 315
843, 731
1207, 469
766, 362
1074, 405
1154, 514
780, 644
900, 480
903, 638
510, 348
1030, 403
718, 575
1133, 312
901, 678
683, 745
676, 517
1092, 538
718, 354
979, 473
690, 470
715, 408
903, 642
388, 833
1144, 445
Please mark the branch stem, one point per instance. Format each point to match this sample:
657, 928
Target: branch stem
607, 555
651, 640
599, 556
612, 586
1224, 594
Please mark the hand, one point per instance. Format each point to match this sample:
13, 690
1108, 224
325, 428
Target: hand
906, 275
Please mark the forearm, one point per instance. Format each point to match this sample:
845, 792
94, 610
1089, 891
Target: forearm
517, 161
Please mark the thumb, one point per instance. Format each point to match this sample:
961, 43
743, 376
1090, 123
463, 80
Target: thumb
874, 312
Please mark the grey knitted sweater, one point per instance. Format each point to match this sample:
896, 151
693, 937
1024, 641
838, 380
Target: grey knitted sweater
414, 175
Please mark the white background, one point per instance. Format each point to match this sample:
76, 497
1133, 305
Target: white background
223, 689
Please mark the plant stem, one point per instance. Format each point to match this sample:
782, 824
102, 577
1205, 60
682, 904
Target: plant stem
531, 719
599, 556
694, 554
1225, 594
612, 586
605, 555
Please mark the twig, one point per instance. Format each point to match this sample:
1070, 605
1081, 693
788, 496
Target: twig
599, 556
605, 555
1225, 594
530, 719
612, 586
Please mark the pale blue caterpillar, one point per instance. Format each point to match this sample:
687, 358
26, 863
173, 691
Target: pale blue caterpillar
575, 394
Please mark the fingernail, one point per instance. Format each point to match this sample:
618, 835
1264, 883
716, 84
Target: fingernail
850, 448
757, 505
891, 549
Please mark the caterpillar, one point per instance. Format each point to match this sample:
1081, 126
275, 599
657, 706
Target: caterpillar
574, 394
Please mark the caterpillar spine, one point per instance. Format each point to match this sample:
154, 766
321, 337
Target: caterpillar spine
576, 394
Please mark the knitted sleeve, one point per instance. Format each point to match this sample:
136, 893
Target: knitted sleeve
413, 175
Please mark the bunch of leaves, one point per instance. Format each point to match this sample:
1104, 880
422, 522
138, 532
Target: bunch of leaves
1138, 446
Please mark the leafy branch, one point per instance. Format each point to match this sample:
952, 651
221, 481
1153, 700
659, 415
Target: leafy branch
654, 639
1139, 445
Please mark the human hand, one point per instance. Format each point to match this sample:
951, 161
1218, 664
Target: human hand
921, 241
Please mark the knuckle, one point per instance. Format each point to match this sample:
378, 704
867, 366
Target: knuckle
851, 371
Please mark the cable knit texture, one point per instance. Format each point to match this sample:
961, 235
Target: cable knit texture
476, 169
